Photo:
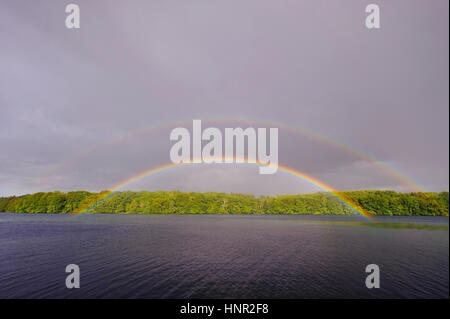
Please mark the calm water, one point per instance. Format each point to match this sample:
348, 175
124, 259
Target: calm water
217, 256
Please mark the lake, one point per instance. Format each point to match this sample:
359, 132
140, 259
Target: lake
222, 256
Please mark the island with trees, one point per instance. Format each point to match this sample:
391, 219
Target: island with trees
376, 202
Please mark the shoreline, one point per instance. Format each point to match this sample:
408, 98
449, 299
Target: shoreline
429, 223
216, 214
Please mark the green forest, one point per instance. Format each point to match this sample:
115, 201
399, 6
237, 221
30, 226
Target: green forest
175, 202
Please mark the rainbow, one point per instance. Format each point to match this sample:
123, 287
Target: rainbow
389, 171
285, 169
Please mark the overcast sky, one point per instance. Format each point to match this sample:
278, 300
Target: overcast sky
67, 97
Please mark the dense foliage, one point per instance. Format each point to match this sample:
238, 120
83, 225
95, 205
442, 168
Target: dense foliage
161, 202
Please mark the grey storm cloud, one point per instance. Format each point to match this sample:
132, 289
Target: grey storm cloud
69, 98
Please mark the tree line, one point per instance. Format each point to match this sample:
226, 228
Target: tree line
175, 202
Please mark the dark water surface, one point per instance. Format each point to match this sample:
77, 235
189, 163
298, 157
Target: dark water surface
221, 256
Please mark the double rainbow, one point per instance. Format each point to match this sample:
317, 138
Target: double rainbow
379, 165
